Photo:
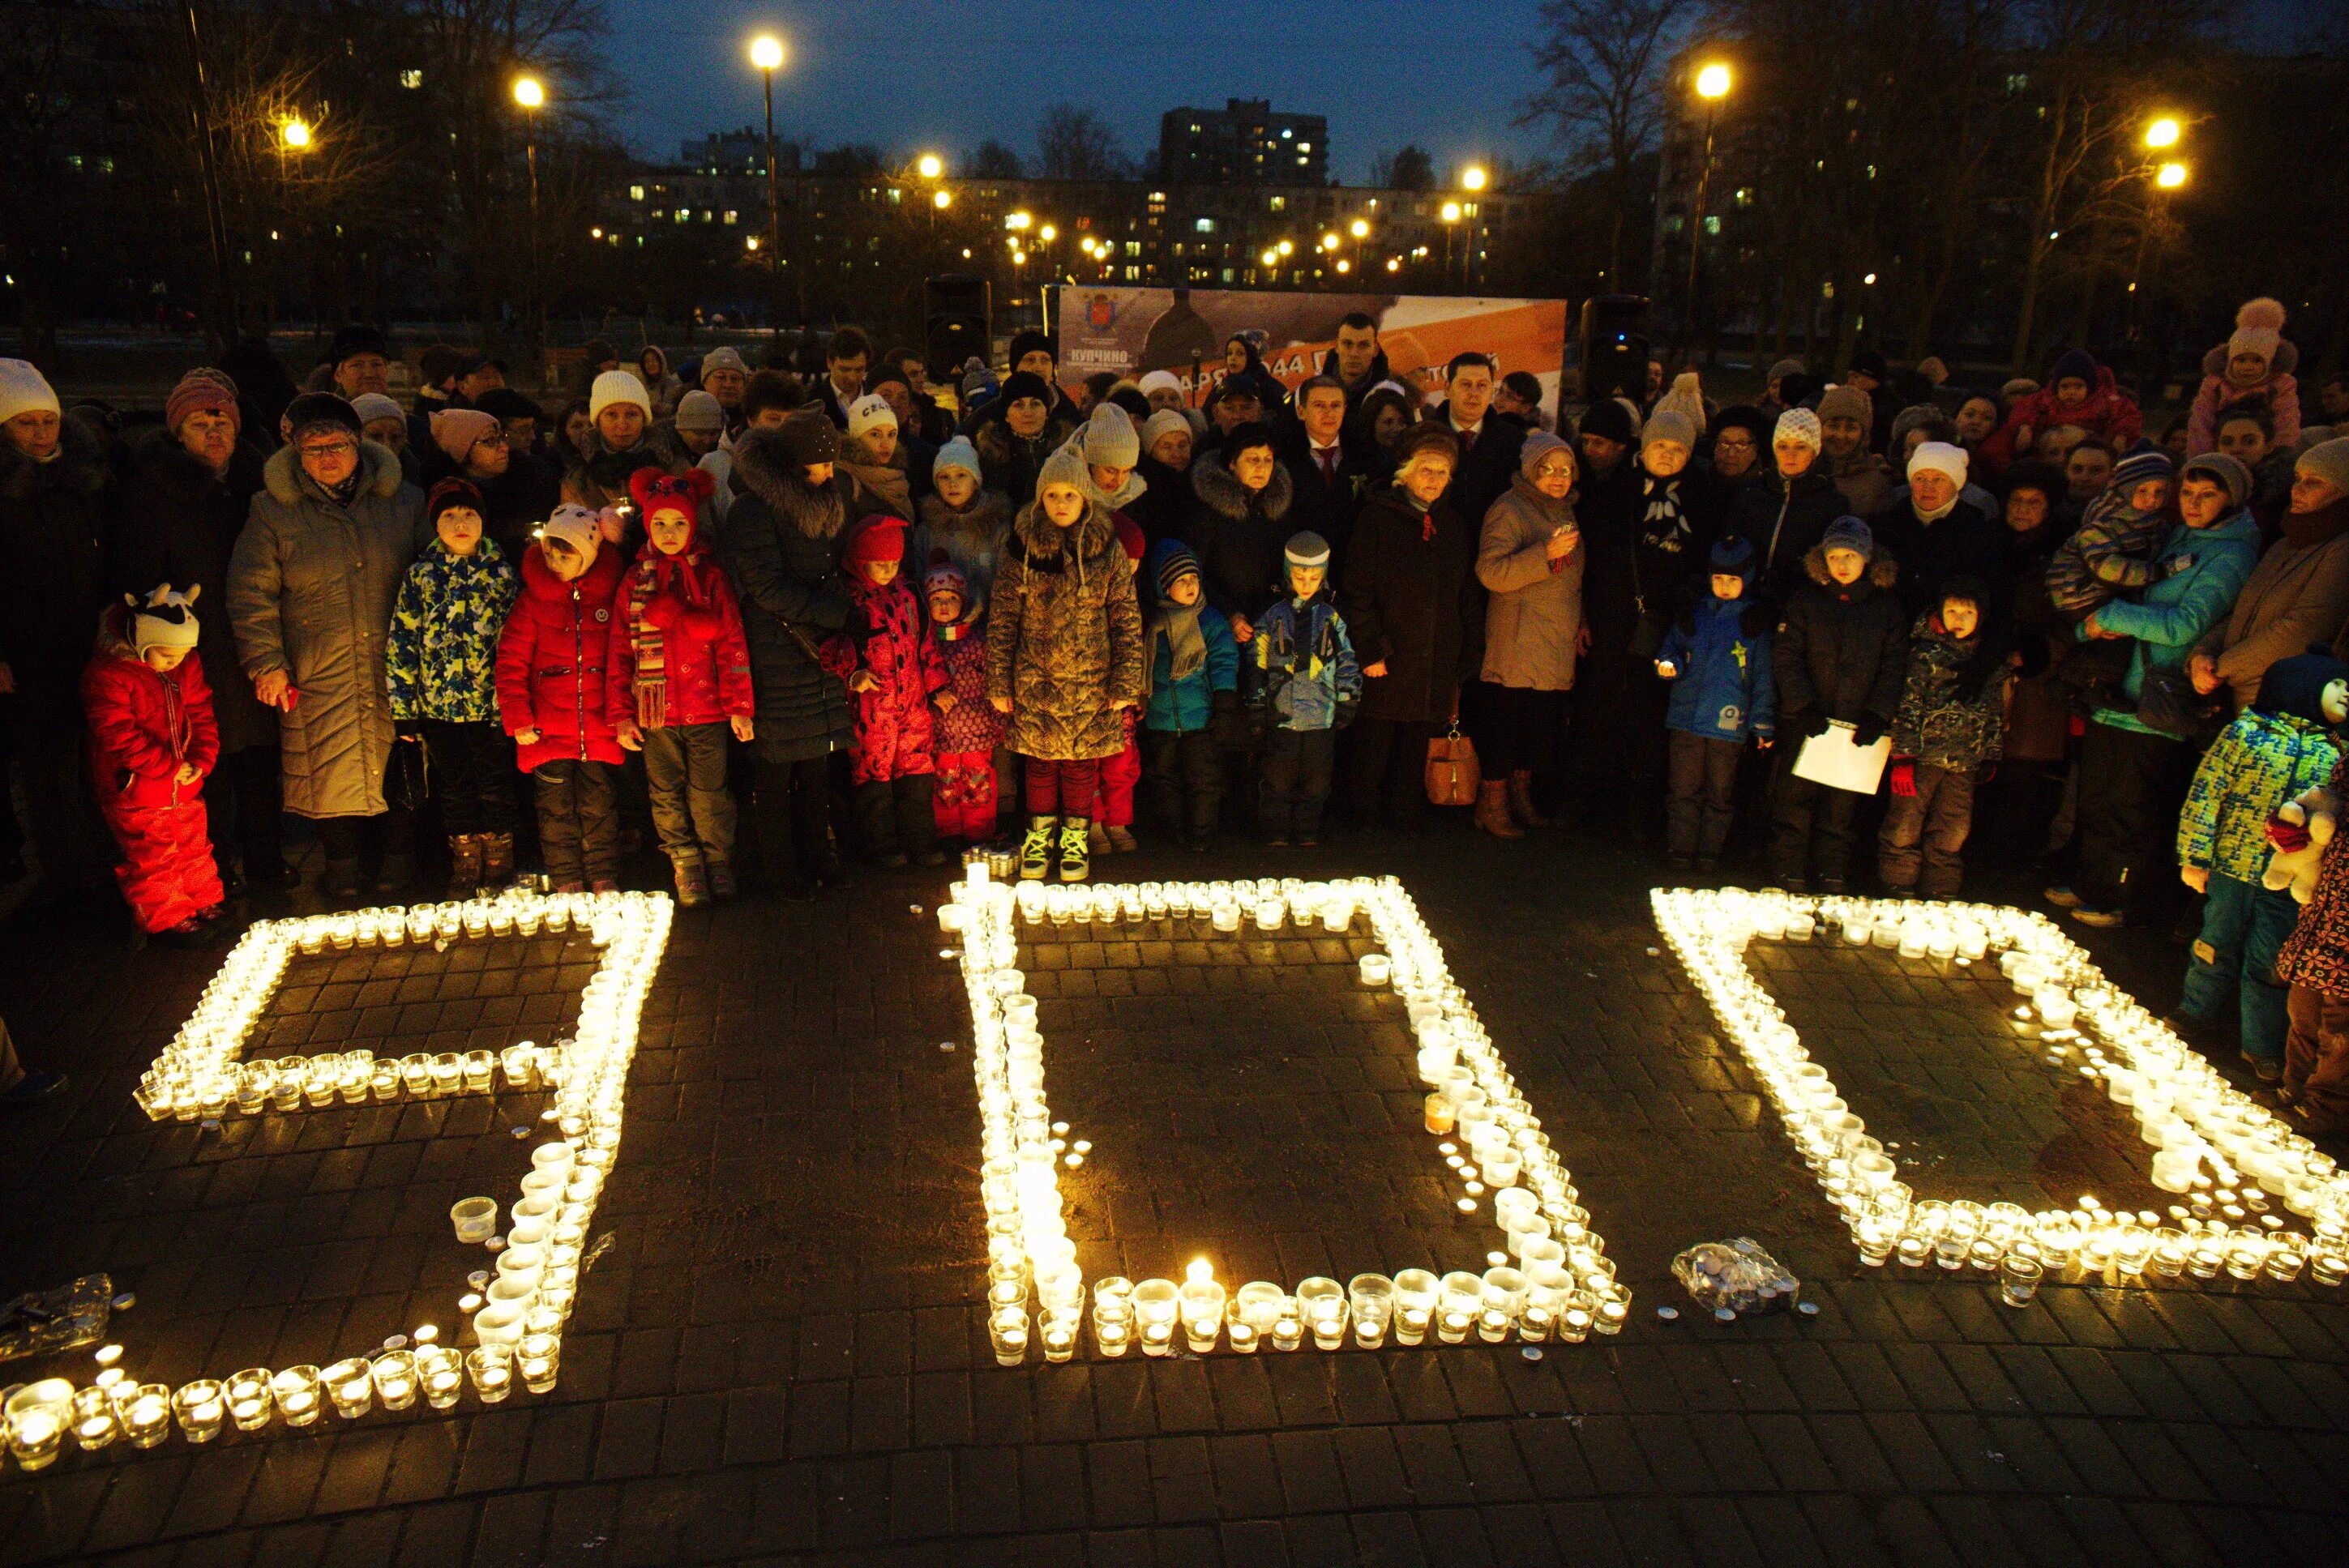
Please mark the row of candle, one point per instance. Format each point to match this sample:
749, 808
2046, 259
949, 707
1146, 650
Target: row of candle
351, 1077
1268, 904
518, 912
2186, 1109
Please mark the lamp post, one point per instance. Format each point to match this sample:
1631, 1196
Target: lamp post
294, 136
1473, 180
529, 93
1713, 83
2162, 134
1450, 213
767, 55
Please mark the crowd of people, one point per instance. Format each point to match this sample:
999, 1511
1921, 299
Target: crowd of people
891, 618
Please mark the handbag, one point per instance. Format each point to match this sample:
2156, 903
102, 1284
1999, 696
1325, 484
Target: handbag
2166, 701
1453, 774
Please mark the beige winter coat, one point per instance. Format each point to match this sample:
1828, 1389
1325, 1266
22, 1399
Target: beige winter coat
2293, 598
1535, 615
310, 591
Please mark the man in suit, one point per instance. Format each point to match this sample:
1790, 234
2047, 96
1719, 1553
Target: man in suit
1489, 446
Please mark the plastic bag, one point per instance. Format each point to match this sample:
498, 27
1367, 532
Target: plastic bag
1735, 1276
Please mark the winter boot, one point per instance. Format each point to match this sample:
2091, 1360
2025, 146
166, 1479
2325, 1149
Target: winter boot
1036, 848
465, 853
339, 882
692, 885
1521, 801
722, 878
1097, 840
1075, 867
497, 859
1121, 840
1492, 811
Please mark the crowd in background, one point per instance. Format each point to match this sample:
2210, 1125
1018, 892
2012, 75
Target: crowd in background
890, 617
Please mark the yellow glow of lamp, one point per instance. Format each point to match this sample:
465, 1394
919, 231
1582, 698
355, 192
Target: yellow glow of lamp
1048, 233
1270, 258
1017, 222
767, 52
2170, 175
1451, 212
931, 167
1712, 81
942, 201
2163, 132
1285, 247
530, 92
1473, 178
294, 134
1360, 229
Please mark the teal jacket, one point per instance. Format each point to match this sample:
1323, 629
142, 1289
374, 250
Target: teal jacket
441, 658
2203, 570
2257, 762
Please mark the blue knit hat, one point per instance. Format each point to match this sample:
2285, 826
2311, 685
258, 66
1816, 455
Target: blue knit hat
1171, 560
2295, 685
1733, 555
1850, 533
2148, 462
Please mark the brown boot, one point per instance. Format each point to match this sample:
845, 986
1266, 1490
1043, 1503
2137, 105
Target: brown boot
1521, 801
464, 864
497, 860
692, 883
1492, 811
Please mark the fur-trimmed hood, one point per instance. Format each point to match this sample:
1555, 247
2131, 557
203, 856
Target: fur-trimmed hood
1883, 572
763, 467
379, 472
1220, 491
79, 466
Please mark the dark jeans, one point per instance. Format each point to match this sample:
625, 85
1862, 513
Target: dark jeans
1297, 765
578, 821
1810, 823
897, 816
1520, 730
368, 840
793, 802
1703, 799
1928, 828
2131, 785
2233, 964
60, 818
1069, 789
1390, 769
245, 793
473, 775
684, 774
1183, 780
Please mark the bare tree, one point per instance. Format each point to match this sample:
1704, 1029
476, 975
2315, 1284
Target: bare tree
1407, 167
1073, 143
1602, 64
993, 161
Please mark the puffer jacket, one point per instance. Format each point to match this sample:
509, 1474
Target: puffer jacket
1308, 677
971, 725
679, 655
2109, 415
1841, 650
1064, 637
1953, 702
2278, 393
311, 585
1534, 615
2316, 954
1726, 688
1239, 534
972, 539
2257, 762
55, 519
1783, 519
144, 722
1187, 705
442, 657
553, 674
2198, 572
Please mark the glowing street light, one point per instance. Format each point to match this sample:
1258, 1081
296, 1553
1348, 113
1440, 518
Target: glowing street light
1712, 80
2169, 175
1473, 178
766, 57
767, 52
1285, 248
294, 134
1360, 229
1451, 212
1712, 83
1271, 258
1017, 222
1048, 233
2163, 132
530, 92
942, 201
930, 166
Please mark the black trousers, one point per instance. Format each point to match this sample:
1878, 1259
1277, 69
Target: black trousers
2131, 785
1703, 802
473, 775
1297, 766
1810, 823
73, 846
368, 840
1519, 730
895, 816
1183, 781
245, 801
578, 821
792, 805
1390, 771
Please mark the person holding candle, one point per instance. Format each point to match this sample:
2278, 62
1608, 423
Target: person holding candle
1308, 688
893, 671
1193, 665
1945, 739
1718, 658
2278, 749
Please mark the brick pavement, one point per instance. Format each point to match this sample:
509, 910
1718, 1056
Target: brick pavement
780, 1358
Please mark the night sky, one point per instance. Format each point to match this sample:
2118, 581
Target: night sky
913, 74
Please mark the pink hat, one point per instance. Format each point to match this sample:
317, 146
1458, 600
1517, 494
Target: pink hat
455, 431
201, 390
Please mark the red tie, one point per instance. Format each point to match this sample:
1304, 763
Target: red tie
1329, 456
1467, 442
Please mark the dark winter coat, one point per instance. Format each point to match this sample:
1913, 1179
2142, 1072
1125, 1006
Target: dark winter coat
1008, 464
310, 589
783, 542
1953, 700
1964, 543
145, 722
1608, 512
513, 504
1064, 637
1238, 535
972, 539
600, 479
1164, 503
1328, 507
1412, 601
553, 674
55, 519
180, 523
1486, 467
1785, 522
1842, 651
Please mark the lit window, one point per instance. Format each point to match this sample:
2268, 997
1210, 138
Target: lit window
411, 80
683, 213
1204, 226
636, 192
1287, 133
1134, 247
1277, 204
1713, 223
730, 214
1132, 274
1304, 147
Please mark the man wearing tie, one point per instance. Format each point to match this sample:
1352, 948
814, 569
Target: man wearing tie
1327, 472
1489, 448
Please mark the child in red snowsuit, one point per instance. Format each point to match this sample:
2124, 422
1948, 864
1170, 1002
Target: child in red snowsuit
892, 666
152, 741
969, 727
680, 676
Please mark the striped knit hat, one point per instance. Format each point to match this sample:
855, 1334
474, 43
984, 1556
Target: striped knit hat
2144, 463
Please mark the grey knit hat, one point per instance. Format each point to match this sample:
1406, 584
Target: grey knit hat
2327, 460
1307, 548
2232, 476
1850, 533
1110, 442
697, 410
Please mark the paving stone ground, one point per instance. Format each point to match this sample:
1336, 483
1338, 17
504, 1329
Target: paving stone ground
781, 1357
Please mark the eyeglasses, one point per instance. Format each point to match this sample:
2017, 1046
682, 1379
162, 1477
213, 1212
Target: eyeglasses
1554, 470
328, 448
494, 439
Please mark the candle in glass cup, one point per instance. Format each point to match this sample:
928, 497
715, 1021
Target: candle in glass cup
36, 1421
250, 1400
491, 1367
441, 1371
296, 1390
93, 1421
350, 1384
2019, 1273
537, 1360
145, 1415
201, 1410
394, 1374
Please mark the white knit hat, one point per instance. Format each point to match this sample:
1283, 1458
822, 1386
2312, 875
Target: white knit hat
617, 387
2259, 328
574, 525
1161, 381
1941, 457
373, 406
166, 619
868, 411
1164, 423
1798, 424
25, 391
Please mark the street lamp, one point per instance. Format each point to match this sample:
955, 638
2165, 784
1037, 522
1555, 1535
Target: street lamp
293, 135
766, 55
942, 200
1712, 83
1450, 213
2169, 175
529, 93
930, 166
2163, 132
1473, 178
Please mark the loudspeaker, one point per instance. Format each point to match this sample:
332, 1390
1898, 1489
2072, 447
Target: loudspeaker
958, 310
1615, 347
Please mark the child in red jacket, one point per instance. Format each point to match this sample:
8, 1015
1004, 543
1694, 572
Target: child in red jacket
151, 742
680, 672
892, 666
968, 729
554, 697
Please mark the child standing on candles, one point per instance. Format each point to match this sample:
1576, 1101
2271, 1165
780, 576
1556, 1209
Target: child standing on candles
553, 696
680, 679
1717, 656
893, 667
1063, 658
1194, 677
152, 741
438, 661
969, 727
2281, 747
1945, 742
1309, 688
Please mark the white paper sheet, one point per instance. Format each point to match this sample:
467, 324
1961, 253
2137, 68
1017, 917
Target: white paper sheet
1834, 761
